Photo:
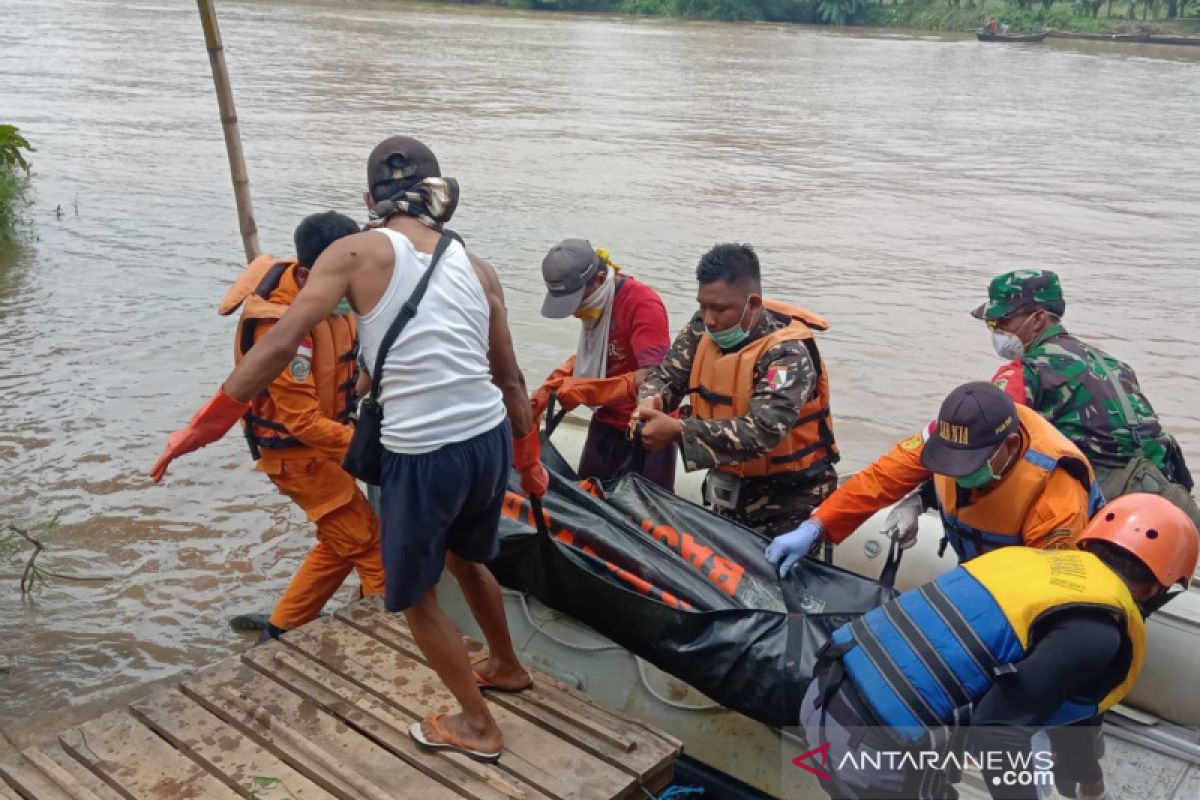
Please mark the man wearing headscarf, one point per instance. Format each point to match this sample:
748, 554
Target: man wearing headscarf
455, 419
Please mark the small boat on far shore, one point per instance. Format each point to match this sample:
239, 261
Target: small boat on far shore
1185, 40
1130, 38
1036, 36
1101, 37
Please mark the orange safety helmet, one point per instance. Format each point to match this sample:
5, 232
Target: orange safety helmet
1152, 528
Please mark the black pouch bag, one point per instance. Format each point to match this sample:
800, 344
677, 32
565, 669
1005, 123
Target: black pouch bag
364, 456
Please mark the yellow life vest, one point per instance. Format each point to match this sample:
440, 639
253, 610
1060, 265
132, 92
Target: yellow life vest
721, 385
923, 659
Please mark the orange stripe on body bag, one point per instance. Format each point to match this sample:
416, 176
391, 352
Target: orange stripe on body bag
518, 508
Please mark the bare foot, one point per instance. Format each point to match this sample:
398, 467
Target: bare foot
484, 739
501, 675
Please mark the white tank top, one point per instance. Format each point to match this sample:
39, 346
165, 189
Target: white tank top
436, 387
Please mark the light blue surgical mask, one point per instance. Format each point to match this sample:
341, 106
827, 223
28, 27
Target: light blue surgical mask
730, 337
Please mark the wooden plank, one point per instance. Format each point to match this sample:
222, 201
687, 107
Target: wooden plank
224, 751
21, 773
322, 734
532, 753
46, 771
383, 724
126, 754
573, 715
7, 793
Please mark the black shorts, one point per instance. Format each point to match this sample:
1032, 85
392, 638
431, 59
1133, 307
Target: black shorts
445, 500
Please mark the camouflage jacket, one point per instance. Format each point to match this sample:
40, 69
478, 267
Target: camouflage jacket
774, 406
1068, 383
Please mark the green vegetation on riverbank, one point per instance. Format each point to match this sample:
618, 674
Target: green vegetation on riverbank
1083, 16
14, 178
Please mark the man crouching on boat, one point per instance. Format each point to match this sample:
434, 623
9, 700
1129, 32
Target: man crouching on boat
964, 669
452, 396
1000, 475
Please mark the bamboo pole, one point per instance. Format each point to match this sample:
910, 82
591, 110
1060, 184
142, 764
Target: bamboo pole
229, 124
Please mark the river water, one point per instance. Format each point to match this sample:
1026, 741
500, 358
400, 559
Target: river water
884, 178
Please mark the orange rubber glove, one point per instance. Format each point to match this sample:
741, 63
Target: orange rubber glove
527, 458
541, 398
210, 423
592, 392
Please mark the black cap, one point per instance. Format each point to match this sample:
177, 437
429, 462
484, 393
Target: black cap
567, 269
974, 419
401, 158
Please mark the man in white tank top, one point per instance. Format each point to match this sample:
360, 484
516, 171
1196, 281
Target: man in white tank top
451, 392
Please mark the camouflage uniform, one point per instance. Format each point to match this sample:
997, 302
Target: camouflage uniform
1070, 383
770, 505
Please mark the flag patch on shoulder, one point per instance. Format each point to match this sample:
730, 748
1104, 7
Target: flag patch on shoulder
306, 348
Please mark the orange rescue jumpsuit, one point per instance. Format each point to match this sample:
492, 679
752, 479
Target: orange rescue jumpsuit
298, 430
1050, 520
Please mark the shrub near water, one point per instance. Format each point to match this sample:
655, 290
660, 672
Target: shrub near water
14, 178
943, 17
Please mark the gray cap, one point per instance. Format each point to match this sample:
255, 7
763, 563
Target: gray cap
567, 269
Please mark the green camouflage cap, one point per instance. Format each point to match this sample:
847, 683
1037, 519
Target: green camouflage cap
1021, 290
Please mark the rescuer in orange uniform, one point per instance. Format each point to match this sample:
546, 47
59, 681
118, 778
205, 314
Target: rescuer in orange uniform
299, 428
1001, 475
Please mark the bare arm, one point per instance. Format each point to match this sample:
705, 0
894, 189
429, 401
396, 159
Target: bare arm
328, 282
506, 373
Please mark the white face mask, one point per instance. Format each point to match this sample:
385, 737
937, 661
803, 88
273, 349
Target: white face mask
1007, 345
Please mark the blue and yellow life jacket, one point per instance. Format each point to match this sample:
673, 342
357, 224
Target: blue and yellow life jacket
923, 660
996, 517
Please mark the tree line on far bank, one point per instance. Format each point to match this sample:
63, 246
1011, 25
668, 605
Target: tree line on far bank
1077, 15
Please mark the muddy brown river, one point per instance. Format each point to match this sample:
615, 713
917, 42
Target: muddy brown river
883, 176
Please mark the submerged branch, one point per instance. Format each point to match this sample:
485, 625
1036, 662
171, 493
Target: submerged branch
32, 574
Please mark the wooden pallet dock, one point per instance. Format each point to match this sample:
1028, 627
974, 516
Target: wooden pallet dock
324, 714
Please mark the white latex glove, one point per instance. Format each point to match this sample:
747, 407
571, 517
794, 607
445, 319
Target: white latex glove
786, 550
902, 523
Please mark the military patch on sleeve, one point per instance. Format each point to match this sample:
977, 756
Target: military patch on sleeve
1002, 384
912, 442
777, 378
300, 369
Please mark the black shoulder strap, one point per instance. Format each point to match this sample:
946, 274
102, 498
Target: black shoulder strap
407, 312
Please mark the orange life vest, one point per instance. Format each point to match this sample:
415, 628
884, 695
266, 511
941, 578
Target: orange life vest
996, 517
260, 295
722, 383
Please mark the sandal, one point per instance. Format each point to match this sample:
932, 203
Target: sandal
448, 742
487, 686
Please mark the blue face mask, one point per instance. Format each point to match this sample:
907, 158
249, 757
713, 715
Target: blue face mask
730, 337
342, 308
